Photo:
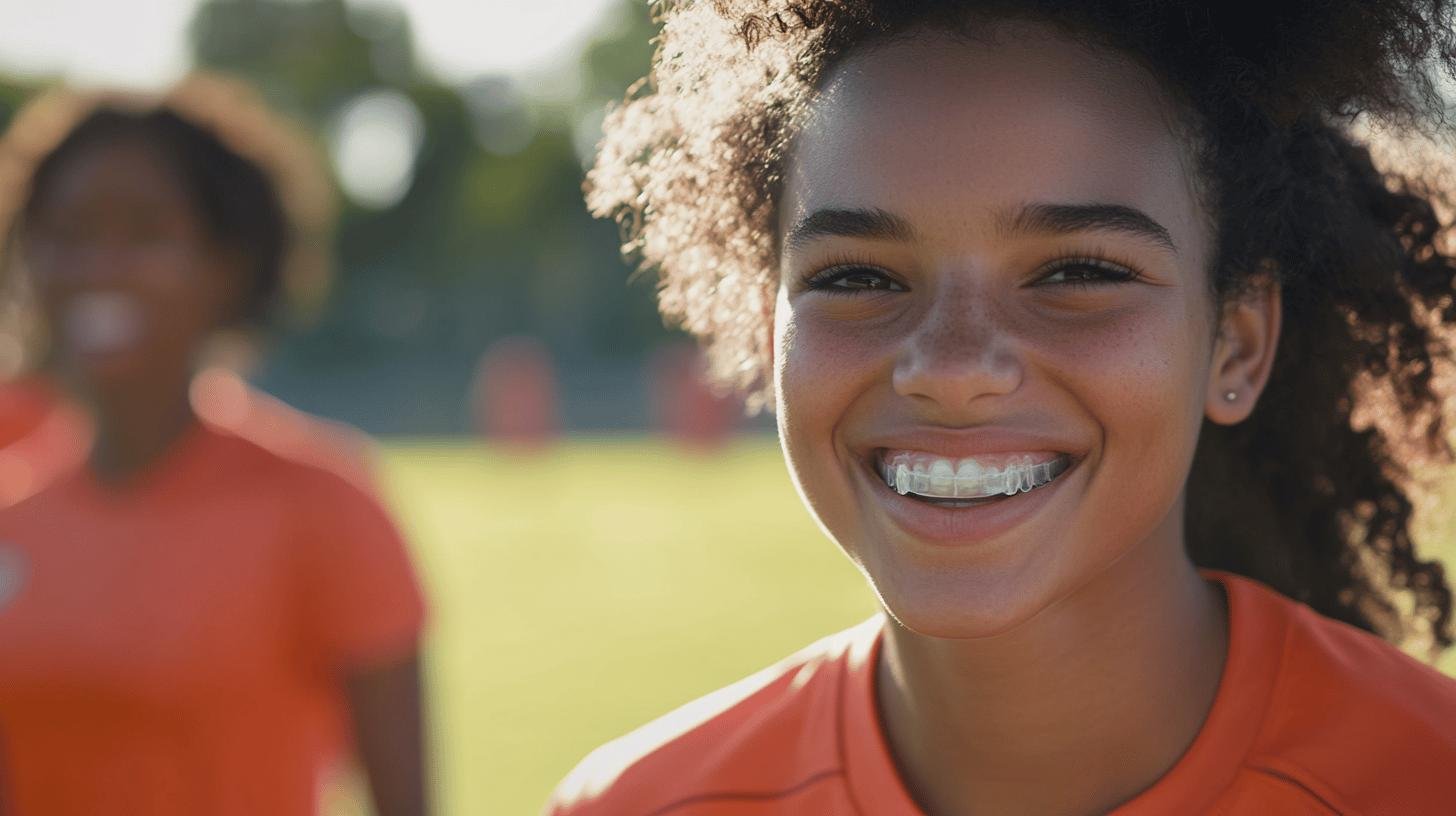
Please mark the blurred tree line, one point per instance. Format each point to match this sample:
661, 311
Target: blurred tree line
488, 237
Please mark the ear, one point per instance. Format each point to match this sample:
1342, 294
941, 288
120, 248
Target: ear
1243, 352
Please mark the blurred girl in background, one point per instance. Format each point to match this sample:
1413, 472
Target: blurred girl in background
203, 608
1101, 344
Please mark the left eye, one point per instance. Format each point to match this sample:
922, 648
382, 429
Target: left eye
854, 279
1087, 272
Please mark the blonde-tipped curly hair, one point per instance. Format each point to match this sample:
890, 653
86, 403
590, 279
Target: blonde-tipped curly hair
685, 167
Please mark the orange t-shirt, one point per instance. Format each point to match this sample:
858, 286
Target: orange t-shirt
177, 646
1311, 717
24, 405
41, 436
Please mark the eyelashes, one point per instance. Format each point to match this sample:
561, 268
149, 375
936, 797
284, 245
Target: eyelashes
850, 276
853, 277
1086, 271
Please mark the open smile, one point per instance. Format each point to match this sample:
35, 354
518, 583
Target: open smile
955, 501
968, 481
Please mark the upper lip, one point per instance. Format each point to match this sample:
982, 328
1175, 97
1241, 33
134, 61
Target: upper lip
967, 442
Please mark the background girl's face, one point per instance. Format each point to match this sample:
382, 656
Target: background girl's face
128, 278
992, 253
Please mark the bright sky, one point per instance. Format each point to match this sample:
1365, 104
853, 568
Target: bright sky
143, 42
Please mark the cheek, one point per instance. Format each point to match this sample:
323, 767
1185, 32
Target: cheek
170, 272
1127, 363
821, 369
50, 292
184, 292
803, 408
1138, 374
824, 362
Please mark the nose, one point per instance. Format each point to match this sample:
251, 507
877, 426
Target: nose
959, 352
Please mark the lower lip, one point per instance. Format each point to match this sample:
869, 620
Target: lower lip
962, 526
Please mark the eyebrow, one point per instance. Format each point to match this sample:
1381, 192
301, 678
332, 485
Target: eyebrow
875, 223
1096, 217
868, 223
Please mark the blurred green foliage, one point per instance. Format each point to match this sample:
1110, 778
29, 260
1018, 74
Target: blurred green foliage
489, 240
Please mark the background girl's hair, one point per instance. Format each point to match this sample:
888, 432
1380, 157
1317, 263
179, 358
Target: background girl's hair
1312, 494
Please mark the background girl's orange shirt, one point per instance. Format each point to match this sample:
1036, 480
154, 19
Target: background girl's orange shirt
41, 436
178, 646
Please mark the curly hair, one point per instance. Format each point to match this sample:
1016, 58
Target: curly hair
255, 178
1318, 478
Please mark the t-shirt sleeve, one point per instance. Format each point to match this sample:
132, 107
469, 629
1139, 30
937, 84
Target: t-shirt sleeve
360, 597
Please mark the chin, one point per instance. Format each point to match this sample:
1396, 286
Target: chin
961, 603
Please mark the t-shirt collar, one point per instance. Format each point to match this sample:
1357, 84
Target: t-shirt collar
1257, 631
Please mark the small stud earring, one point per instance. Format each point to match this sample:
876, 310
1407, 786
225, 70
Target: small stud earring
1230, 396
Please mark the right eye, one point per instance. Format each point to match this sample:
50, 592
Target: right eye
849, 280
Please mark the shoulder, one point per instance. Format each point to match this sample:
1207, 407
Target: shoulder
1357, 722
42, 438
23, 405
362, 605
330, 504
290, 440
768, 733
286, 469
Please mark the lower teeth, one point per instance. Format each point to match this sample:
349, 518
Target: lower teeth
958, 502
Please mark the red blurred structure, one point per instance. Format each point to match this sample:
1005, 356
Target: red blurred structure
686, 407
514, 397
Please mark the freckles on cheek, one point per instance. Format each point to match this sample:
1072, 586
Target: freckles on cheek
811, 403
814, 359
1134, 379
1135, 371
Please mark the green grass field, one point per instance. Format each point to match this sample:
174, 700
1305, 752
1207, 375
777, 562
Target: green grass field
582, 592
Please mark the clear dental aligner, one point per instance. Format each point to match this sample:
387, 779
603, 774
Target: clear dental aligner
941, 478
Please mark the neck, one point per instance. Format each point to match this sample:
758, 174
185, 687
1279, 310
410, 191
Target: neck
135, 426
1073, 712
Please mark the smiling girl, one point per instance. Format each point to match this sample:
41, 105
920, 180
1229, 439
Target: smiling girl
209, 606
1067, 312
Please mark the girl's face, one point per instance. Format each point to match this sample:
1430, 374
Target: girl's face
128, 278
992, 273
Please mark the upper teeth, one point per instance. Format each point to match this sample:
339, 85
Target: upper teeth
938, 477
102, 322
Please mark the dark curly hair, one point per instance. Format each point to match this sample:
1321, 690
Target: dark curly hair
1313, 493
